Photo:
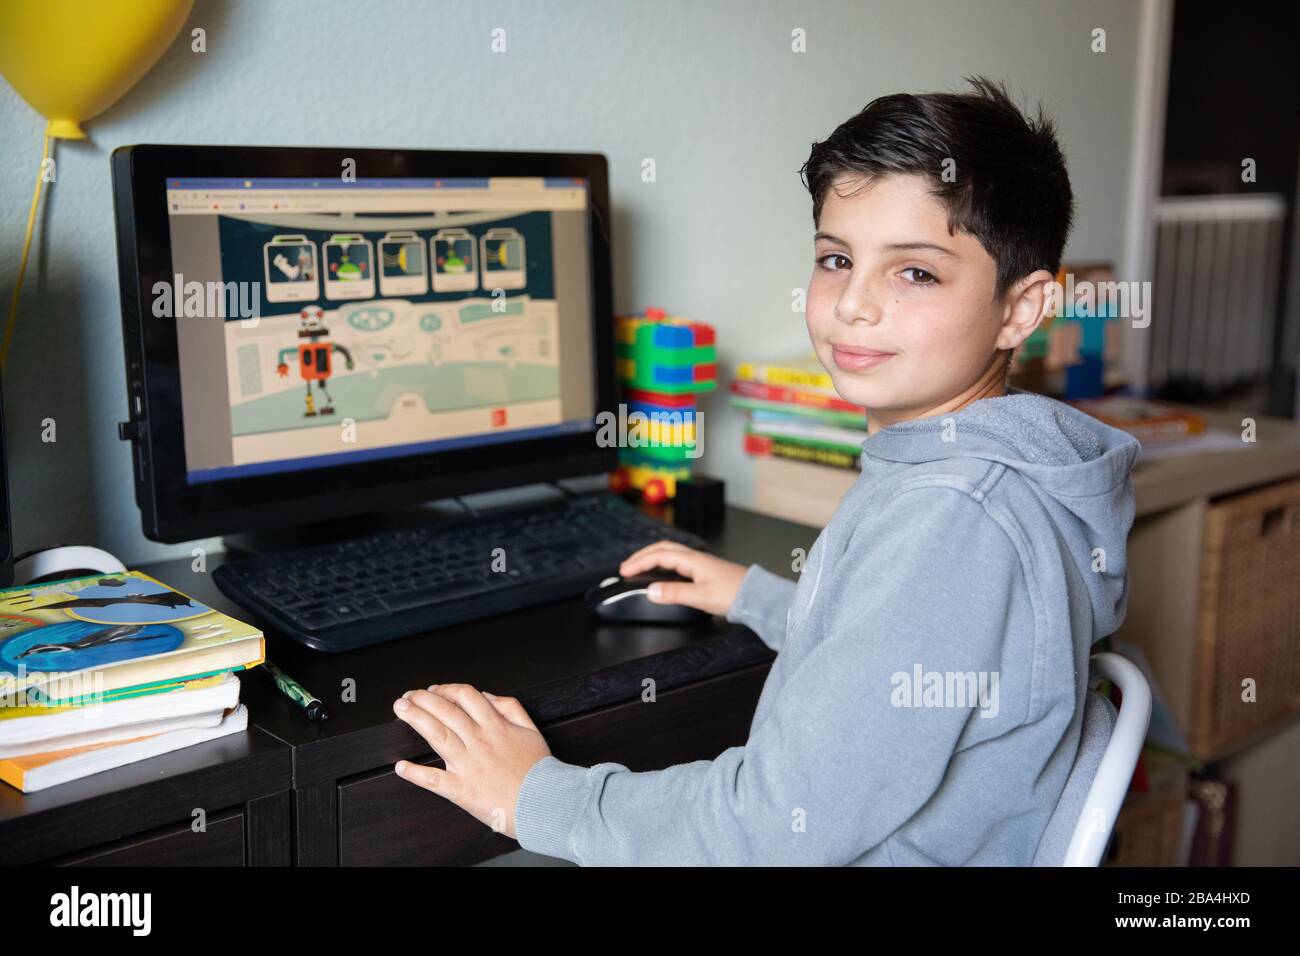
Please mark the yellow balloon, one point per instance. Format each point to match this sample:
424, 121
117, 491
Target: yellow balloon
73, 59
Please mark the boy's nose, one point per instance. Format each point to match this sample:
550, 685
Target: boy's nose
857, 305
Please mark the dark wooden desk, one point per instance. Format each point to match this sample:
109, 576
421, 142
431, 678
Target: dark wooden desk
143, 813
581, 681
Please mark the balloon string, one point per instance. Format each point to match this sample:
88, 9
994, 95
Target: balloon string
27, 245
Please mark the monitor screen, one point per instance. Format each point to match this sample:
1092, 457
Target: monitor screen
325, 322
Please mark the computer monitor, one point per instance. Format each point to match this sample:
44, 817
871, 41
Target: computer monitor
314, 333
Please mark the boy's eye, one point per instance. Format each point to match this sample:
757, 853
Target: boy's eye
824, 260
920, 277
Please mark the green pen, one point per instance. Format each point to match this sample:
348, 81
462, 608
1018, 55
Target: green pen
296, 692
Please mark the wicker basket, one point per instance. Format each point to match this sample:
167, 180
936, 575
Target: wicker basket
1149, 829
1249, 617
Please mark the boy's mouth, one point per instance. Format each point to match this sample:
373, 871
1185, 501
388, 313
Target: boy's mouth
851, 358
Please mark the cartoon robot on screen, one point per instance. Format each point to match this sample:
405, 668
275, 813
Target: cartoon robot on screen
313, 358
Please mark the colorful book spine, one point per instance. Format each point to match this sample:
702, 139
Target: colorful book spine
808, 375
828, 416
790, 395
801, 428
818, 453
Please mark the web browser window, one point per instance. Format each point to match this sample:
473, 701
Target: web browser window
321, 322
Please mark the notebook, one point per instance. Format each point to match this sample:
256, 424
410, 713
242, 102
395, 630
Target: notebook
38, 771
38, 729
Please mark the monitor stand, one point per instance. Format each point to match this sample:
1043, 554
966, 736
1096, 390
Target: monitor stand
480, 505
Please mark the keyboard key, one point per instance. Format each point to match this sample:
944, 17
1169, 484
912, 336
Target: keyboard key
316, 620
370, 607
420, 597
345, 611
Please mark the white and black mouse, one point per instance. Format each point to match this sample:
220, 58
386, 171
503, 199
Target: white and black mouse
624, 599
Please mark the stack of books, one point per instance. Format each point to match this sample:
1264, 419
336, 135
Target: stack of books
102, 671
795, 412
806, 439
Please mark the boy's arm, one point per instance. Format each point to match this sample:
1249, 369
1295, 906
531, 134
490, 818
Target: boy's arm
838, 763
763, 605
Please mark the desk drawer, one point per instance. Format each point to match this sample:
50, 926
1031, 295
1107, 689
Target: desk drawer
383, 820
221, 845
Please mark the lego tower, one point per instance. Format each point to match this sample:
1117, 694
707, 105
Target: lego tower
663, 363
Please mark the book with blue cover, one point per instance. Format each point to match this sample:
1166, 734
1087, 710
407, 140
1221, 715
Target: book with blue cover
109, 636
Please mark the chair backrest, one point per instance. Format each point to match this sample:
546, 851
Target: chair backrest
1109, 745
1098, 723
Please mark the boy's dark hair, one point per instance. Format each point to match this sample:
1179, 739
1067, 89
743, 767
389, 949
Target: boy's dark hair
1010, 187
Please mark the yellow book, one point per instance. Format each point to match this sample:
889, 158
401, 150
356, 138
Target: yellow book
84, 639
803, 372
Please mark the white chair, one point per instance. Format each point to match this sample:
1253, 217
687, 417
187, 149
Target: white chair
1108, 752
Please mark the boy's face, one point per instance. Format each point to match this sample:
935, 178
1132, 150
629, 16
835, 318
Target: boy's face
912, 306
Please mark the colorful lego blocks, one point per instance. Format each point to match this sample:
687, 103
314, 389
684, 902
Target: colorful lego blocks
663, 363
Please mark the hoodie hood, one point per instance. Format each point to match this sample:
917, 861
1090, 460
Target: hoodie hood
1076, 466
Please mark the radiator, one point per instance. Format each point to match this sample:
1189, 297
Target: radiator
1214, 308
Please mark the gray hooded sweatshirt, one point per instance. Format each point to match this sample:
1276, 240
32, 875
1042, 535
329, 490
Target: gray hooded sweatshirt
926, 699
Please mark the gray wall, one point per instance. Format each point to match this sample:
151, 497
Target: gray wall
710, 90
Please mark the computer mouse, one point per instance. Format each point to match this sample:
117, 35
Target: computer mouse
624, 599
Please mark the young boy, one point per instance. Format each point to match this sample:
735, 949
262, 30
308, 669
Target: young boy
926, 701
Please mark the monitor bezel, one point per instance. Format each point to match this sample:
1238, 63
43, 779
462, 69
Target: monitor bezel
172, 509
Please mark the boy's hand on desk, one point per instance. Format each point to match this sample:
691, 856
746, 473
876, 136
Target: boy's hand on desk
487, 743
713, 582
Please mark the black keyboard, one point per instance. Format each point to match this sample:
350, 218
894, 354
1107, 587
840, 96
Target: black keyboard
362, 591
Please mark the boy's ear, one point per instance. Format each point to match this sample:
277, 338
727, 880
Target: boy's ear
1026, 304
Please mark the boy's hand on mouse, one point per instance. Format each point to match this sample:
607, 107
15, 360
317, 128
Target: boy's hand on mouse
487, 743
713, 582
